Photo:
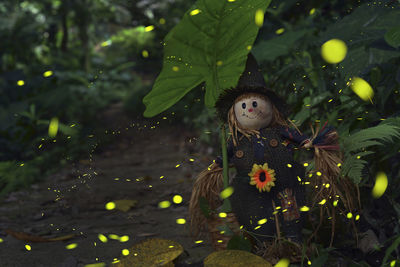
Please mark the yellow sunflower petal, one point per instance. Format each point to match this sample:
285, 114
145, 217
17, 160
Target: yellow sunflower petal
265, 166
255, 169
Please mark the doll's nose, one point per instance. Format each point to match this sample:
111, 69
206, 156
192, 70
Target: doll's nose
250, 110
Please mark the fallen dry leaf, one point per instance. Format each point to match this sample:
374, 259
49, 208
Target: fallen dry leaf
34, 238
151, 253
234, 258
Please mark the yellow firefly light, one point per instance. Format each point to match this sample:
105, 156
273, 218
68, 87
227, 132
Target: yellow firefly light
149, 28
304, 208
282, 263
259, 17
47, 73
227, 192
71, 246
262, 221
380, 186
53, 127
124, 238
222, 214
102, 238
164, 204
362, 88
177, 199
194, 12
110, 206
334, 51
180, 221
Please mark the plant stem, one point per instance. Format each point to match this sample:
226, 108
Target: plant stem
226, 207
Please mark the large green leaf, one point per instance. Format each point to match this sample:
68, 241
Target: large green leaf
210, 47
364, 25
392, 37
269, 50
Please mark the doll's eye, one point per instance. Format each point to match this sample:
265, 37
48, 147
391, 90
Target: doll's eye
243, 105
254, 104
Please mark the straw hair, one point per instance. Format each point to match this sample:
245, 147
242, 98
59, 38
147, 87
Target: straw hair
329, 185
209, 183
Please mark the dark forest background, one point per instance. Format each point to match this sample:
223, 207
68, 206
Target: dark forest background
72, 59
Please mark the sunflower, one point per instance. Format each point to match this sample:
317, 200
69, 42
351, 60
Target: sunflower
263, 177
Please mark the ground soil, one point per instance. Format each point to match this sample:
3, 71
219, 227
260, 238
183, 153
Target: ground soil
72, 201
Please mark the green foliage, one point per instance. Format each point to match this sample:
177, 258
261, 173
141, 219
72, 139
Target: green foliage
355, 146
390, 249
278, 46
14, 176
215, 53
392, 37
240, 243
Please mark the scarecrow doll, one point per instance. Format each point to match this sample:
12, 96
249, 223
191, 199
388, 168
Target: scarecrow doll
268, 189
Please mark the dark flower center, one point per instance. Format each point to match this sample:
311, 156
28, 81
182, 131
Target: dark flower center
262, 177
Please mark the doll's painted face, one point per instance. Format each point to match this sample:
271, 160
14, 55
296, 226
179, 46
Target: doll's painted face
253, 111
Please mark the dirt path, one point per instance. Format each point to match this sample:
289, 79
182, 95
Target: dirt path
73, 202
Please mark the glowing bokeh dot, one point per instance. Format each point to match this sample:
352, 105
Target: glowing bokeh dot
362, 88
110, 206
262, 221
71, 246
47, 73
194, 12
177, 199
125, 252
304, 208
180, 221
149, 28
124, 238
28, 247
227, 192
282, 263
259, 17
113, 236
334, 51
102, 238
164, 204
222, 214
380, 186
20, 83
53, 127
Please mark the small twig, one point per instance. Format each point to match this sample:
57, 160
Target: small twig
278, 231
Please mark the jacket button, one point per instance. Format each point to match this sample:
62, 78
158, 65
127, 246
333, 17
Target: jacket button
273, 142
239, 154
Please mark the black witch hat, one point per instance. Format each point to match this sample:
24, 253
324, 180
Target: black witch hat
250, 81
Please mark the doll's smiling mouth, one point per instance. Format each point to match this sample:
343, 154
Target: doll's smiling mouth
255, 117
